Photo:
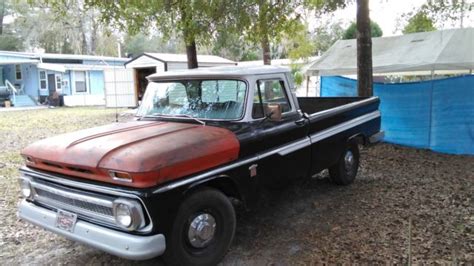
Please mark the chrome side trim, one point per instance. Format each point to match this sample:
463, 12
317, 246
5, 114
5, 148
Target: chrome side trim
343, 108
204, 175
343, 126
305, 142
121, 244
282, 150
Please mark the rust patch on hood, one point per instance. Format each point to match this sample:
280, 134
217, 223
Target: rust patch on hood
151, 152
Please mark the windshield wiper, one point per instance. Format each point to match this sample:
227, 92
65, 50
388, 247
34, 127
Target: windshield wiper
179, 115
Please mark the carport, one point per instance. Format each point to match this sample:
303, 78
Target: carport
437, 113
425, 53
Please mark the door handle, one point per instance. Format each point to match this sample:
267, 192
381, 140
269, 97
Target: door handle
300, 122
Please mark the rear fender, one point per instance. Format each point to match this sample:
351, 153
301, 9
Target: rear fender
358, 138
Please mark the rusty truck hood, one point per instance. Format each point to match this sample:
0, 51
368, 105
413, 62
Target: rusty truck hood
151, 152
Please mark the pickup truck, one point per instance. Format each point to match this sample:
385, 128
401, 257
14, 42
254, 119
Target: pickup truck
165, 183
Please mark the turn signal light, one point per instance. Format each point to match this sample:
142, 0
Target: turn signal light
28, 159
121, 176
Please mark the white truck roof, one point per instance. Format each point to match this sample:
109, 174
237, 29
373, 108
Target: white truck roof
224, 71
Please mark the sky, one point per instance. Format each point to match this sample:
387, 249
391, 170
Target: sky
386, 13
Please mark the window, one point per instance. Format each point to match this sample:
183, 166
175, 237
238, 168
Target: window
205, 99
58, 82
43, 80
18, 72
80, 81
219, 91
177, 94
269, 92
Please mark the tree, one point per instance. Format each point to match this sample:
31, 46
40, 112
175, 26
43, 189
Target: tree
10, 43
194, 21
351, 31
441, 13
61, 27
325, 35
265, 22
232, 45
3, 9
364, 50
454, 11
420, 22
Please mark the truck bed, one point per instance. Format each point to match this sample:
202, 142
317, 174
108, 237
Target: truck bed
334, 120
311, 105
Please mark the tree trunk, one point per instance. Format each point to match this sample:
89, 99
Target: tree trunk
189, 38
364, 50
94, 36
2, 14
267, 60
192, 55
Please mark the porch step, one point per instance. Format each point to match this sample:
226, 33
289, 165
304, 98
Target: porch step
23, 101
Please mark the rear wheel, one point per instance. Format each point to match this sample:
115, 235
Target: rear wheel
345, 170
202, 231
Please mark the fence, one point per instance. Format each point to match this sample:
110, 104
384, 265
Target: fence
437, 115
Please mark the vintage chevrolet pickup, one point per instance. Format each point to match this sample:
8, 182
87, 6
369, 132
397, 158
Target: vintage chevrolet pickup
164, 183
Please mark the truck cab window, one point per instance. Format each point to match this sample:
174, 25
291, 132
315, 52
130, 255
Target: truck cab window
269, 92
205, 99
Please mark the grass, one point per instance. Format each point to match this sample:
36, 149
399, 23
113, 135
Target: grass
366, 222
20, 128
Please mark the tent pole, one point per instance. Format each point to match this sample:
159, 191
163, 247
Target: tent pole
431, 109
308, 80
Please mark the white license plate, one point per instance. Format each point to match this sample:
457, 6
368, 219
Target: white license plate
66, 220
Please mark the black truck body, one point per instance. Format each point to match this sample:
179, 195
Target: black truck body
297, 139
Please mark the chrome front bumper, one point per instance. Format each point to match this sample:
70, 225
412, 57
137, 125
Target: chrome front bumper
118, 243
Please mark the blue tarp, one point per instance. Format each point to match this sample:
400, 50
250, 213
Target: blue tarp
437, 115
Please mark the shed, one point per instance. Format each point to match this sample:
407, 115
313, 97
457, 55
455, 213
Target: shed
150, 63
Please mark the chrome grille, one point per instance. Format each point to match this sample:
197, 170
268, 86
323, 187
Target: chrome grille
94, 206
76, 203
92, 203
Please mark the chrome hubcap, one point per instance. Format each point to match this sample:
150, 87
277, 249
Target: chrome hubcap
201, 230
348, 160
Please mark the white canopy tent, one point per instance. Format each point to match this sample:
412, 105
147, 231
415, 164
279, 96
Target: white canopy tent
440, 52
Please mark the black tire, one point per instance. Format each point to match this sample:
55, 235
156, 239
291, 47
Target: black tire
180, 250
343, 172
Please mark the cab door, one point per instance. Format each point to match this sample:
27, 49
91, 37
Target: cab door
280, 159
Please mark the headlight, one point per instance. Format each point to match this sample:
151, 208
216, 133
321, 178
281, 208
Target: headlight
25, 187
123, 215
128, 214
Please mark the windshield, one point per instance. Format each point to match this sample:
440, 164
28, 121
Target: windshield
205, 99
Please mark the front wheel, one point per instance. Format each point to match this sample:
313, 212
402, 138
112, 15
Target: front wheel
345, 170
202, 231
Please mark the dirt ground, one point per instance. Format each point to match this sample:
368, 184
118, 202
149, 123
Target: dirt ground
312, 221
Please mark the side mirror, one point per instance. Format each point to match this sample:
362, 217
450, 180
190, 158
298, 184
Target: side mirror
274, 112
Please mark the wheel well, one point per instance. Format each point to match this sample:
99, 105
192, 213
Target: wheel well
359, 138
223, 184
